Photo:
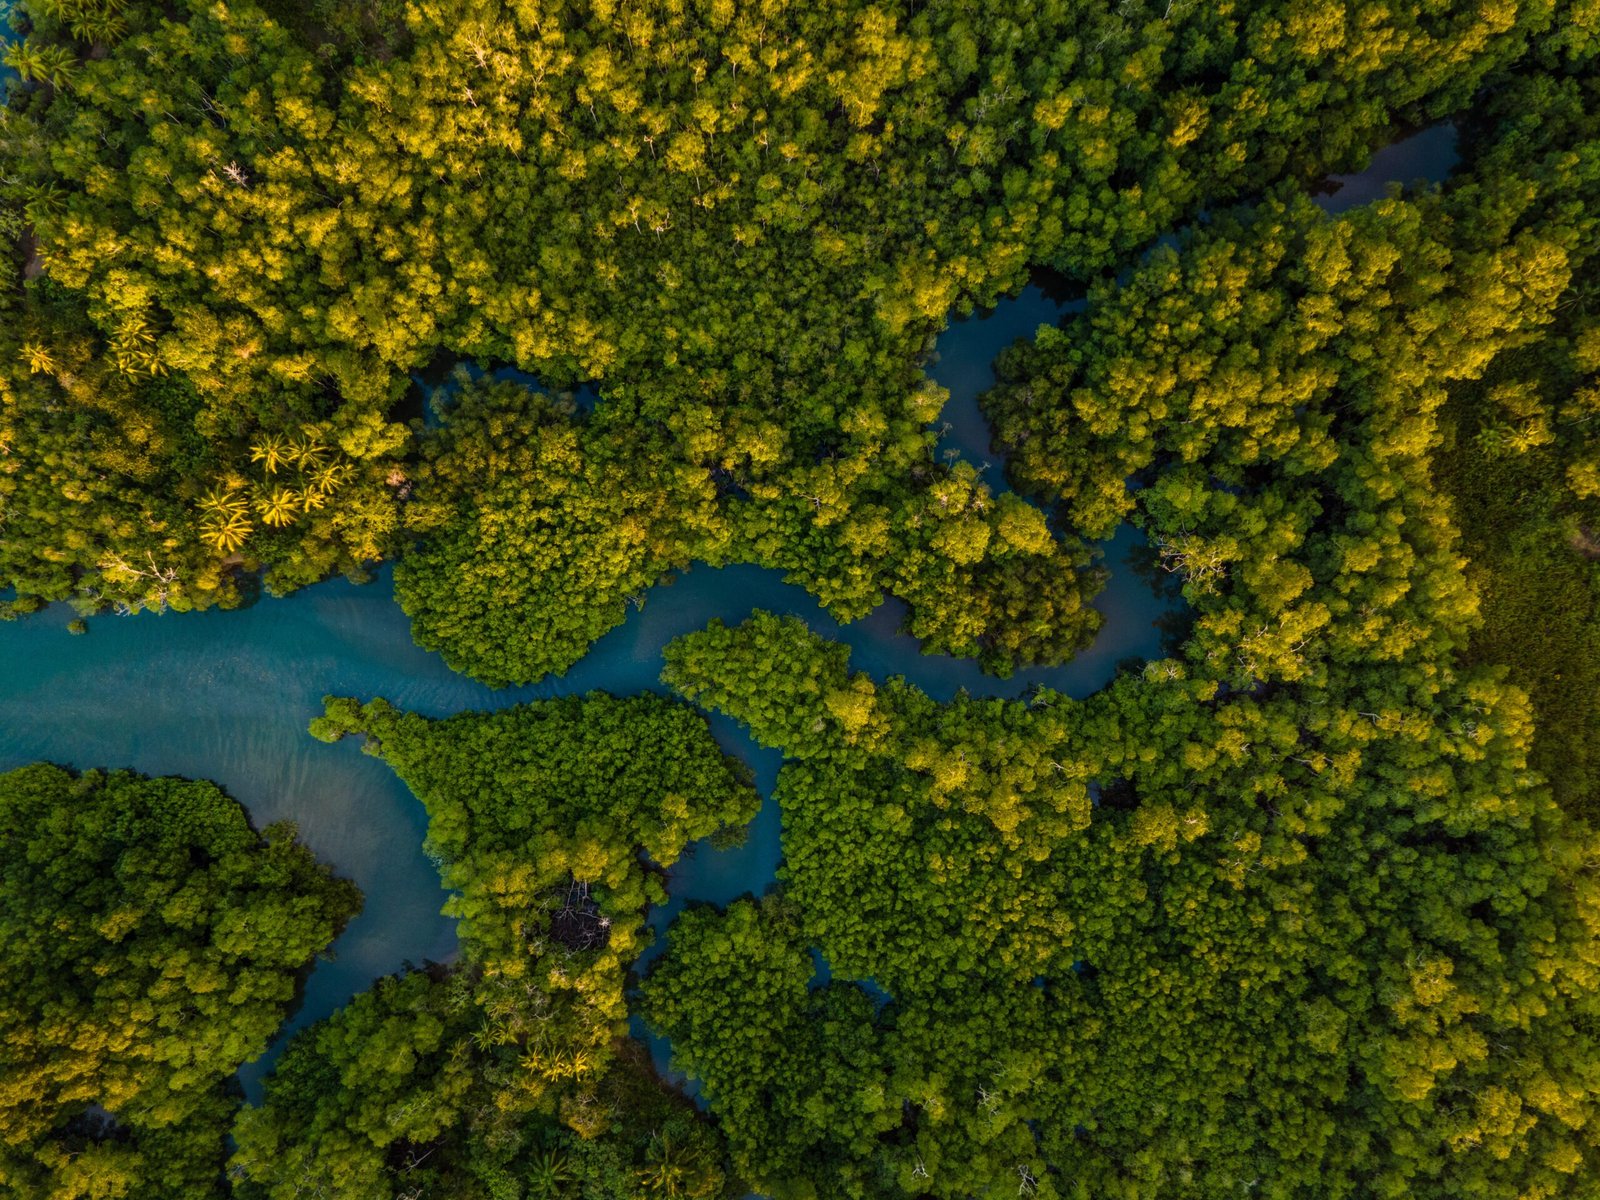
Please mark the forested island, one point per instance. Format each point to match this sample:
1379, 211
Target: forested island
528, 309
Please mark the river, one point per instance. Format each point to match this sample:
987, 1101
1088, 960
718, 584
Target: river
227, 695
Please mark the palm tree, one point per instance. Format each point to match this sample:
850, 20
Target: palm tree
57, 66
279, 506
38, 358
325, 479
225, 531
308, 452
98, 26
548, 1176
272, 452
224, 501
40, 198
133, 346
582, 1063
668, 1168
89, 20
25, 59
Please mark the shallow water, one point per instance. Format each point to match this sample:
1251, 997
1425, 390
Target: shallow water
227, 695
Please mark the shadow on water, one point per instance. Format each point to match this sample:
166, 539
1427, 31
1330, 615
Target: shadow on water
433, 388
823, 975
1426, 156
963, 364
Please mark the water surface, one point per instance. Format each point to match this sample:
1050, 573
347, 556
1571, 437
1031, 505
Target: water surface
227, 695
963, 364
1426, 156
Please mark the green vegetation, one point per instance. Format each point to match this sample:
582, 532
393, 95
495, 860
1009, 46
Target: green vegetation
1306, 910
1522, 463
1325, 932
1528, 537
539, 529
1279, 388
744, 224
511, 1068
1334, 937
153, 941
796, 1076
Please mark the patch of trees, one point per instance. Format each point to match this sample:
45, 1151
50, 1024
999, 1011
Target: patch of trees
538, 527
153, 943
509, 1073
1341, 939
745, 226
1277, 381
1344, 941
1521, 462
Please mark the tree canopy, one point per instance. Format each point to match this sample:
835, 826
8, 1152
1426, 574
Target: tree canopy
246, 224
508, 1073
153, 942
1154, 943
1306, 909
1287, 912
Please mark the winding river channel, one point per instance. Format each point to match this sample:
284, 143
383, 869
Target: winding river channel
227, 695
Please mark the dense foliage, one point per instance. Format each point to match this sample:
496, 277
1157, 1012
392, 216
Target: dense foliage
744, 223
1287, 913
508, 1074
1233, 378
539, 529
1160, 943
1306, 910
152, 943
1523, 467
1528, 527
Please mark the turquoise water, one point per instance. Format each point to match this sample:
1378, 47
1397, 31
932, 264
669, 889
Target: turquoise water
227, 695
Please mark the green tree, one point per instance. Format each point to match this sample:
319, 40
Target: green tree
153, 941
